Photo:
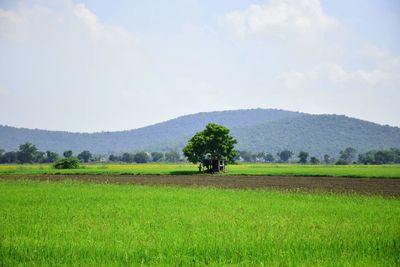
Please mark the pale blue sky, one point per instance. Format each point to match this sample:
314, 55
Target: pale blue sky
113, 65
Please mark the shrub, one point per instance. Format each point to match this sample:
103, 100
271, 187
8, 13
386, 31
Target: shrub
67, 163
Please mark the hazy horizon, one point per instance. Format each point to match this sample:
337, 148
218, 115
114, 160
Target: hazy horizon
154, 123
91, 66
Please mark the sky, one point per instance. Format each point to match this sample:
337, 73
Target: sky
89, 66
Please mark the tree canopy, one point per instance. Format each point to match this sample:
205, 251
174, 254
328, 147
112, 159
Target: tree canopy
303, 157
27, 153
285, 155
84, 156
213, 143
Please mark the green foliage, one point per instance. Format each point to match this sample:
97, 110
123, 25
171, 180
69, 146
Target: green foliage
380, 156
244, 155
114, 158
255, 130
10, 157
327, 159
285, 155
67, 163
303, 157
85, 156
213, 143
127, 157
269, 158
314, 160
141, 157
172, 156
316, 134
51, 157
348, 155
67, 154
27, 153
156, 156
341, 162
82, 224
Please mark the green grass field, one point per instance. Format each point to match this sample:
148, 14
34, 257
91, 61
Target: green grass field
77, 224
388, 171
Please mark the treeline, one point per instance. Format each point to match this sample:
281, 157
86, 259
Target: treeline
346, 156
284, 156
29, 153
144, 157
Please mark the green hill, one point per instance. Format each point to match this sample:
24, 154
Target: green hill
255, 129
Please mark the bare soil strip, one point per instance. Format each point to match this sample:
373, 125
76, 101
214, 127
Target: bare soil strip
371, 186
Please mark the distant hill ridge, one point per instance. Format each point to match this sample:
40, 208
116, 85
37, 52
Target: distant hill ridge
255, 129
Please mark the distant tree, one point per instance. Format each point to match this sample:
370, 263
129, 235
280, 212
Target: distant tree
327, 159
85, 156
384, 157
114, 158
396, 152
269, 157
51, 157
172, 156
27, 153
348, 155
156, 156
10, 157
314, 160
341, 162
141, 157
367, 158
245, 155
285, 155
1, 155
67, 154
40, 157
257, 157
127, 157
212, 144
380, 156
67, 163
303, 157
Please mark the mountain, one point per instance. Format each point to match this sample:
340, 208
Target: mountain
255, 129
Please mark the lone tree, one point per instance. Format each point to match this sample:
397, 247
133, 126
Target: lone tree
285, 155
85, 156
27, 153
210, 146
67, 154
141, 157
303, 157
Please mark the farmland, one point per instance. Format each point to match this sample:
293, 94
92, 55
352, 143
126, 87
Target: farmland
74, 223
379, 171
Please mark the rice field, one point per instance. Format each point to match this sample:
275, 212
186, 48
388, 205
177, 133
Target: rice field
388, 171
79, 224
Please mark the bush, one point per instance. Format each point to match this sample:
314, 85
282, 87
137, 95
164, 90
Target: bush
67, 163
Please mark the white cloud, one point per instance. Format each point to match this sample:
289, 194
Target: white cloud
375, 52
333, 75
63, 58
9, 17
282, 18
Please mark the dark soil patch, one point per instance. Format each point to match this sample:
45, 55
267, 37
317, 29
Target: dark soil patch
372, 186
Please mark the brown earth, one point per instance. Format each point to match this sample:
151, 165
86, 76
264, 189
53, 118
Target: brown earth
371, 186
